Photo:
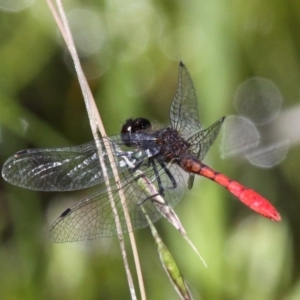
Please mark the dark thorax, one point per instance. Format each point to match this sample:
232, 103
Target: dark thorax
173, 146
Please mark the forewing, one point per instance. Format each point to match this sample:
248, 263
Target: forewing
93, 218
57, 169
184, 113
54, 169
71, 168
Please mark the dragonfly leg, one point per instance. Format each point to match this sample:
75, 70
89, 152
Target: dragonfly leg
171, 177
159, 182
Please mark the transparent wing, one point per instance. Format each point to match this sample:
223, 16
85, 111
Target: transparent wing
201, 142
54, 169
69, 168
184, 113
93, 218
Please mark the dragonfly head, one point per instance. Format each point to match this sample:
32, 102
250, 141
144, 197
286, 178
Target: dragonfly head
133, 126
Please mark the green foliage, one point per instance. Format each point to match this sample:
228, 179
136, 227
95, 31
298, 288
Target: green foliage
222, 43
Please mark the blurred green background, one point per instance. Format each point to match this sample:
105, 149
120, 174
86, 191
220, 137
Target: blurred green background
130, 51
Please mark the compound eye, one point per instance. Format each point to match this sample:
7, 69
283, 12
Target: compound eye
127, 127
140, 124
133, 126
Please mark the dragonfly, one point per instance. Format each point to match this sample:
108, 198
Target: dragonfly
169, 157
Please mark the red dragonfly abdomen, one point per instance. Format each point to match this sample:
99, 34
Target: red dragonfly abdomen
248, 196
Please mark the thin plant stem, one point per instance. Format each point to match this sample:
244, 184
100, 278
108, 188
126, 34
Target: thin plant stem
97, 126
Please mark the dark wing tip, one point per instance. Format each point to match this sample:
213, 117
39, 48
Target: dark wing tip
20, 153
65, 213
